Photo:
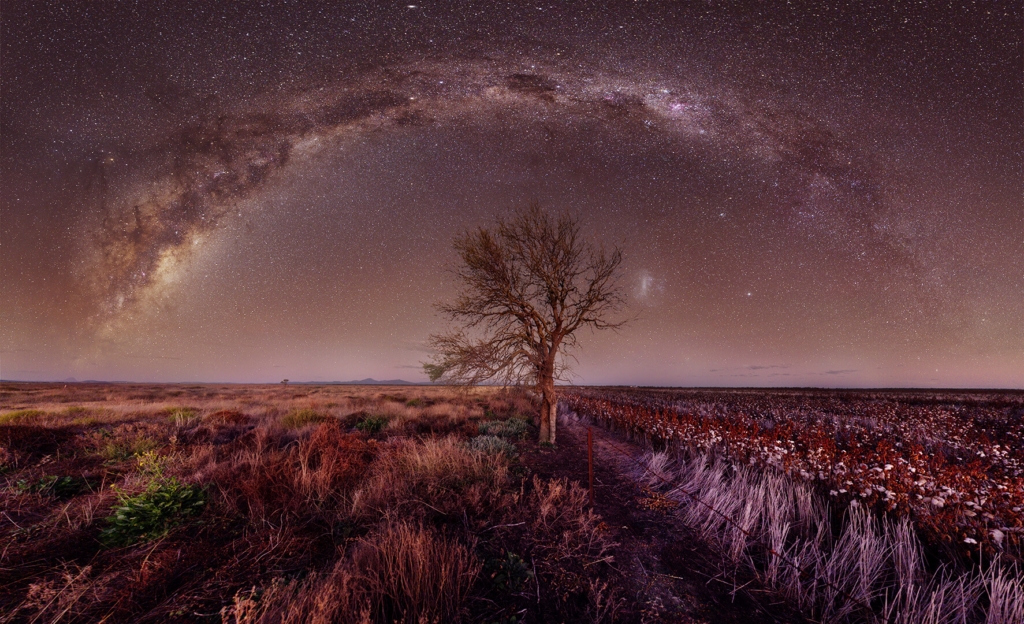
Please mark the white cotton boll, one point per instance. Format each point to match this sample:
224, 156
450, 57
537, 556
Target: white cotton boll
970, 540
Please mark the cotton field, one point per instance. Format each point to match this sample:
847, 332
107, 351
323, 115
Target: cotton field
953, 462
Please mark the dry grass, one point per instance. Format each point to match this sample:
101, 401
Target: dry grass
306, 517
400, 573
865, 570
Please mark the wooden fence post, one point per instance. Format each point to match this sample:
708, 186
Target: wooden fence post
590, 462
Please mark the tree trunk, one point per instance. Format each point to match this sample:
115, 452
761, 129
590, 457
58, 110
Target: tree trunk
548, 410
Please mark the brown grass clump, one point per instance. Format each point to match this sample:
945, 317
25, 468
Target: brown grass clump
434, 477
399, 573
271, 476
226, 417
410, 574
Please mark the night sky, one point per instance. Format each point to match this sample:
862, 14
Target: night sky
823, 194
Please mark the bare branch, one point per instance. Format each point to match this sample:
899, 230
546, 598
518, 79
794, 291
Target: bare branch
527, 284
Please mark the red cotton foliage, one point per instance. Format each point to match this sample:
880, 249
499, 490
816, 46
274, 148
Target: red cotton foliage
954, 463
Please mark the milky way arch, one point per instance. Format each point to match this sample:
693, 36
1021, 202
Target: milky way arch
205, 170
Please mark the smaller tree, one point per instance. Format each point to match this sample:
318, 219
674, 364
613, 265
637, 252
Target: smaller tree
527, 285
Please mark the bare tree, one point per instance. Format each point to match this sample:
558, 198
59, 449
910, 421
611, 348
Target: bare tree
527, 285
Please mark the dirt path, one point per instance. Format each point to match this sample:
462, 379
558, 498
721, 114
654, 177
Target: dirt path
671, 576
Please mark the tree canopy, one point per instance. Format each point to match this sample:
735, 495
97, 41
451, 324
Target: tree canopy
526, 286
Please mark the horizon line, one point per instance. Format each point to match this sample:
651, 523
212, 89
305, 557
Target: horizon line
402, 382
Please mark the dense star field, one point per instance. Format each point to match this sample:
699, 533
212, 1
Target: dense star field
805, 194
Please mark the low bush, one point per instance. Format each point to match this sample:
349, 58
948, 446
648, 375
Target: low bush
492, 444
552, 526
297, 419
513, 428
372, 424
32, 440
165, 504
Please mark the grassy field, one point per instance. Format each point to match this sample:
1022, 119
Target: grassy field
285, 504
231, 503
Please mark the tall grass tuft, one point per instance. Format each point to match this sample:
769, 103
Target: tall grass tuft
410, 574
401, 572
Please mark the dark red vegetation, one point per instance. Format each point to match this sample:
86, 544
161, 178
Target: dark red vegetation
952, 461
315, 504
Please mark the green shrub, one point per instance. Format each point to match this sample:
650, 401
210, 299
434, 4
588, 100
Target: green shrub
414, 403
165, 504
20, 416
513, 428
52, 485
492, 444
372, 424
296, 419
508, 575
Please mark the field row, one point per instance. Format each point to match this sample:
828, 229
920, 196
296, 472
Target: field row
954, 463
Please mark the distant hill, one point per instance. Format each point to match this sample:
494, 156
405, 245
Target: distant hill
369, 381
